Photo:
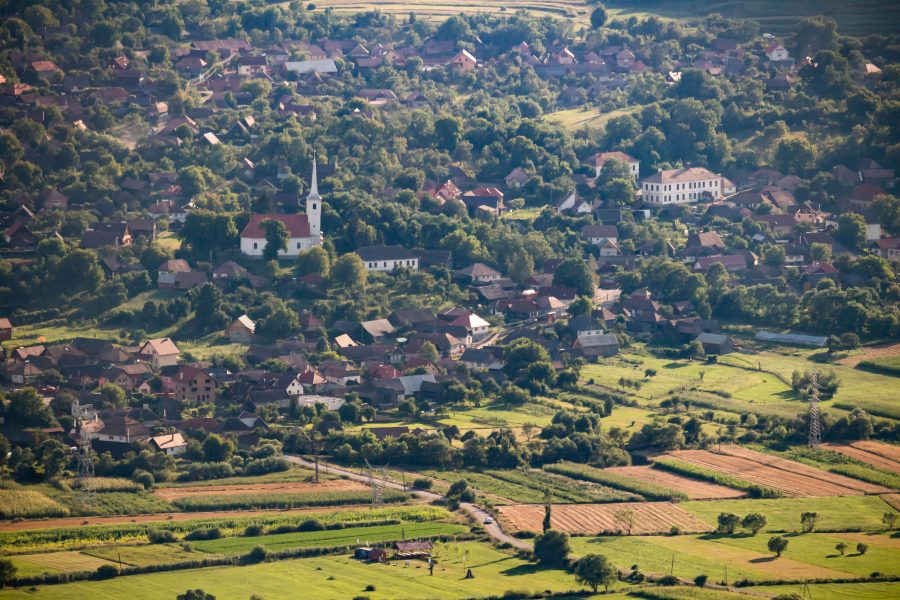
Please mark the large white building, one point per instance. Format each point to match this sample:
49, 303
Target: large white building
304, 230
681, 186
388, 258
598, 160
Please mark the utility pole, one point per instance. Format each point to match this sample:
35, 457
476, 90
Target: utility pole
815, 435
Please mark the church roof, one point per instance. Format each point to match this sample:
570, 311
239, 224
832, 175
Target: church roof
297, 225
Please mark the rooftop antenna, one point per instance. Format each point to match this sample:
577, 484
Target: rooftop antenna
815, 434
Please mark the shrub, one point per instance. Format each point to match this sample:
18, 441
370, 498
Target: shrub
253, 531
862, 548
311, 525
212, 533
422, 483
257, 555
155, 536
667, 580
107, 571
369, 588
700, 580
144, 478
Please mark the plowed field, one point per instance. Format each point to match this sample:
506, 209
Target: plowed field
790, 478
694, 488
866, 456
649, 517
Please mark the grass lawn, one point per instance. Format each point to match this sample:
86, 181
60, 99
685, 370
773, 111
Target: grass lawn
845, 591
56, 562
574, 119
783, 514
330, 577
293, 474
337, 537
496, 414
819, 549
149, 554
629, 418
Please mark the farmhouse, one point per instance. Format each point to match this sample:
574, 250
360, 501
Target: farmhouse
681, 186
172, 444
241, 330
161, 352
121, 430
388, 258
595, 342
601, 158
716, 343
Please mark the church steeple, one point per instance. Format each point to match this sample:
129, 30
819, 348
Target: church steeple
314, 204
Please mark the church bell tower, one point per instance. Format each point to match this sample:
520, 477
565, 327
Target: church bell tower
314, 205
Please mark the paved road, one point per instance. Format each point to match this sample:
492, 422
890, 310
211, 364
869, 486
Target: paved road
477, 513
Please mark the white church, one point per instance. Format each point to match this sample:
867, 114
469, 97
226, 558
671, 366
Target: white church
304, 229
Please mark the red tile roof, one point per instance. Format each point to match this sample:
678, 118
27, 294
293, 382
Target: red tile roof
297, 225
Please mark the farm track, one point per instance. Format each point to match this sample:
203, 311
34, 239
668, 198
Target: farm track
649, 517
694, 488
865, 456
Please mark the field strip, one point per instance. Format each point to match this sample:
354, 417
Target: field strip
864, 456
293, 487
786, 482
888, 451
884, 541
766, 564
176, 516
64, 561
694, 488
649, 517
795, 467
892, 499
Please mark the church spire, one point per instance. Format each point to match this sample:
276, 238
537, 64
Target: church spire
314, 183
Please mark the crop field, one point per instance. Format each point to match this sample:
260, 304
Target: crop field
348, 536
575, 119
295, 473
56, 562
647, 517
646, 489
788, 477
74, 535
692, 488
111, 484
270, 500
873, 453
327, 577
783, 514
511, 486
18, 503
148, 554
288, 487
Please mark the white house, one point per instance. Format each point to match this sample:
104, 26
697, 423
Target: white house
311, 66
598, 160
172, 444
596, 233
574, 205
777, 53
681, 186
161, 352
388, 258
304, 230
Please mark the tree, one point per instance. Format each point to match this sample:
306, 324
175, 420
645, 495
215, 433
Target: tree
820, 252
205, 231
852, 230
888, 519
795, 155
548, 517
754, 522
277, 237
777, 544
217, 449
624, 518
727, 523
428, 351
26, 409
841, 547
575, 273
314, 260
279, 323
208, 313
808, 521
595, 570
7, 572
447, 131
598, 20
349, 272
888, 210
582, 305
195, 595
113, 396
79, 270
862, 548
551, 548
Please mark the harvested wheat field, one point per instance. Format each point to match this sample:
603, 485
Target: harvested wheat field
598, 519
866, 456
287, 487
787, 480
892, 499
800, 469
870, 352
694, 488
888, 451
